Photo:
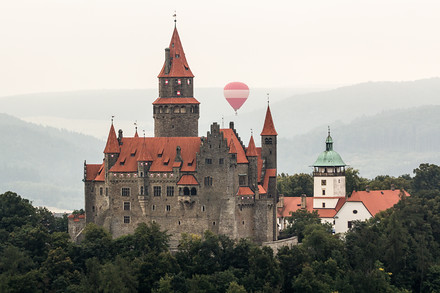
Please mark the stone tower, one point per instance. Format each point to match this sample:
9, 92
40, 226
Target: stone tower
176, 111
328, 174
269, 142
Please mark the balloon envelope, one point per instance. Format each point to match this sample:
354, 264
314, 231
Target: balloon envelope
236, 93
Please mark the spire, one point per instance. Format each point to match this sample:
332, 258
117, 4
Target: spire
251, 150
268, 128
136, 130
175, 62
143, 155
112, 146
329, 141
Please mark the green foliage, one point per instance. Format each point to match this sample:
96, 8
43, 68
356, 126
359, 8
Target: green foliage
295, 185
299, 220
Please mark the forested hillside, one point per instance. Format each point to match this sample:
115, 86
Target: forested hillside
45, 164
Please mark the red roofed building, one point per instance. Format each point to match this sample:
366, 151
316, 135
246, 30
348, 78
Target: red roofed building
184, 182
329, 196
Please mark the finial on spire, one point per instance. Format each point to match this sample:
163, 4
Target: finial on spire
252, 132
329, 130
223, 121
136, 125
175, 18
113, 116
143, 130
268, 99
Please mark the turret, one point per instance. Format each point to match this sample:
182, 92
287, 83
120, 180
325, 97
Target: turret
111, 151
251, 154
269, 142
176, 111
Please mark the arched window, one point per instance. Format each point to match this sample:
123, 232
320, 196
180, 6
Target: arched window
176, 110
186, 191
183, 109
142, 190
268, 140
160, 110
193, 191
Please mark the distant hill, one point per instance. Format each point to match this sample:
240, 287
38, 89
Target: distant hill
45, 164
390, 143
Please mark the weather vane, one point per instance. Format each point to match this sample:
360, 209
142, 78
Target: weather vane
252, 132
113, 116
175, 16
135, 125
143, 130
267, 98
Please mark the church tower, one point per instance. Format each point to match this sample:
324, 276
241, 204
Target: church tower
329, 173
176, 111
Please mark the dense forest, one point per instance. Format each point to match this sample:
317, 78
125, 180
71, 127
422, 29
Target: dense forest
396, 251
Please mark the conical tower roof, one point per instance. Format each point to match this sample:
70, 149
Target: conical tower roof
179, 65
269, 127
251, 150
112, 146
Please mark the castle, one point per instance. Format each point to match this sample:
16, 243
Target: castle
185, 183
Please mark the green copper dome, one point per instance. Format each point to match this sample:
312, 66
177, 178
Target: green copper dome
329, 158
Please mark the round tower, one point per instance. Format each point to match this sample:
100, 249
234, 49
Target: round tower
329, 172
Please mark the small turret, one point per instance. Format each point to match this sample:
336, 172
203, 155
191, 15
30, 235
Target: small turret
269, 141
111, 151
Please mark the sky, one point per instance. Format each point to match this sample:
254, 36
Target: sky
64, 45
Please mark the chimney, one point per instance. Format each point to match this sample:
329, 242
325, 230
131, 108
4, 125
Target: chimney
167, 61
367, 189
120, 136
303, 201
231, 124
393, 187
178, 157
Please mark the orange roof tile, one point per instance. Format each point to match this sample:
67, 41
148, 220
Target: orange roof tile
269, 127
251, 150
112, 146
261, 189
160, 149
143, 154
377, 200
187, 180
259, 164
269, 173
92, 171
245, 191
179, 65
101, 174
230, 136
166, 101
292, 204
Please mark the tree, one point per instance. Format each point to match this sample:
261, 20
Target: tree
299, 220
295, 185
353, 181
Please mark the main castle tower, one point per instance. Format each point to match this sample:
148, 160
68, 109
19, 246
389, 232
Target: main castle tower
176, 111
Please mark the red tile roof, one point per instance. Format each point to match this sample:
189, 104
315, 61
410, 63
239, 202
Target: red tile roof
187, 180
161, 150
261, 189
259, 164
251, 150
292, 204
101, 174
245, 191
112, 146
269, 173
377, 200
143, 154
269, 127
136, 133
179, 65
92, 171
230, 135
166, 101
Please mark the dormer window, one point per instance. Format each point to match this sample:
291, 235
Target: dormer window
177, 55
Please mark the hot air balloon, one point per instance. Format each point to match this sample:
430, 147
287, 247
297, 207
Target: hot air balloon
236, 93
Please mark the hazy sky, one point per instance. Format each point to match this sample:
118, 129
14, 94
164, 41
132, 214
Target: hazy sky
59, 45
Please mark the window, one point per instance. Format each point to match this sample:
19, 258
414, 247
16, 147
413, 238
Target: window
349, 224
157, 190
153, 207
100, 190
208, 181
178, 93
125, 191
203, 208
179, 81
188, 81
166, 81
323, 192
193, 191
268, 140
208, 161
93, 208
355, 211
142, 190
106, 191
323, 182
221, 161
186, 191
170, 190
242, 180
323, 204
168, 208
126, 205
126, 219
213, 223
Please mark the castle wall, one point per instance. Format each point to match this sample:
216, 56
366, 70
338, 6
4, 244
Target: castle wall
176, 120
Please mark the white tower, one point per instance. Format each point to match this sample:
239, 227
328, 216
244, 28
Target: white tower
328, 177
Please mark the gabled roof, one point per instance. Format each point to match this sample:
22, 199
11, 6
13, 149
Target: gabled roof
92, 171
230, 135
269, 173
188, 180
179, 65
377, 200
251, 150
292, 204
160, 150
112, 146
143, 154
269, 127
